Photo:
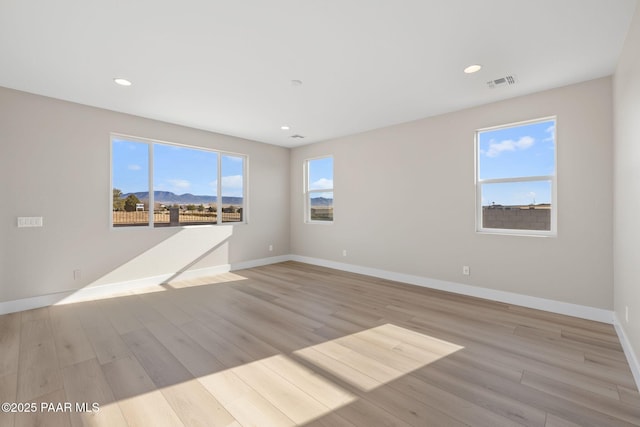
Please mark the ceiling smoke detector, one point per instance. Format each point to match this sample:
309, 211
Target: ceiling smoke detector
502, 81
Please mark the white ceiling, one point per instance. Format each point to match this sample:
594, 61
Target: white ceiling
227, 66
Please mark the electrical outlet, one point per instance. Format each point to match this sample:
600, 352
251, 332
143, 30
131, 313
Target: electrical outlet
344, 252
77, 274
465, 270
270, 248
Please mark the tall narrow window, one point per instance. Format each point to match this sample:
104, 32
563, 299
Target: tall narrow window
191, 186
319, 189
516, 178
232, 188
130, 182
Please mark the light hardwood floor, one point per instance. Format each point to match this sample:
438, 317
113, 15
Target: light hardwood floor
294, 344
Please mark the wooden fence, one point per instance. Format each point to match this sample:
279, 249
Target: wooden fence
161, 218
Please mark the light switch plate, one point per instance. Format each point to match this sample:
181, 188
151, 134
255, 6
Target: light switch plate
29, 221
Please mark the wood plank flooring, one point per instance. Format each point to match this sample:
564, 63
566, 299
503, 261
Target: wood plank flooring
293, 344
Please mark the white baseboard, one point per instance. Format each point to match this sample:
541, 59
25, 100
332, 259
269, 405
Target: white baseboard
31, 302
102, 291
575, 310
112, 289
628, 350
259, 262
120, 288
559, 307
66, 297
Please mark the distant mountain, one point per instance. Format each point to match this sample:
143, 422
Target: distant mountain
170, 198
321, 201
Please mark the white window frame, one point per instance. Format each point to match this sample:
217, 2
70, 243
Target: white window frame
553, 231
308, 192
150, 143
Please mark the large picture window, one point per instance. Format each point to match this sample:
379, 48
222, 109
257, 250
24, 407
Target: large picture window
319, 190
191, 186
516, 178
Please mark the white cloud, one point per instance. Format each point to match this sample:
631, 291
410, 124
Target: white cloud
524, 198
532, 196
551, 131
181, 184
495, 148
228, 182
321, 184
134, 167
234, 159
232, 181
231, 186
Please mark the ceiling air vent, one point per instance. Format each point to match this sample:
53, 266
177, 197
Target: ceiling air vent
502, 81
297, 136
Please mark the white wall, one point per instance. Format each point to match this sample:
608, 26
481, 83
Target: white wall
627, 186
404, 201
54, 162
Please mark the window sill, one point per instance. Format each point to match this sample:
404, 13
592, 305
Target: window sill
518, 233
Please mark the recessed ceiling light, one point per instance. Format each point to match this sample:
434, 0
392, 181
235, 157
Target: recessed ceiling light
472, 68
285, 127
122, 82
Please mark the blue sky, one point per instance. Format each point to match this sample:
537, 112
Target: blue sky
522, 151
176, 169
321, 176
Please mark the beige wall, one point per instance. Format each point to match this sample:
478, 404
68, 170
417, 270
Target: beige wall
627, 185
55, 154
404, 201
417, 176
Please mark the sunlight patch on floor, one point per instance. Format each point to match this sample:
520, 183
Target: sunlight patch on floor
280, 391
276, 390
376, 356
204, 281
107, 292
